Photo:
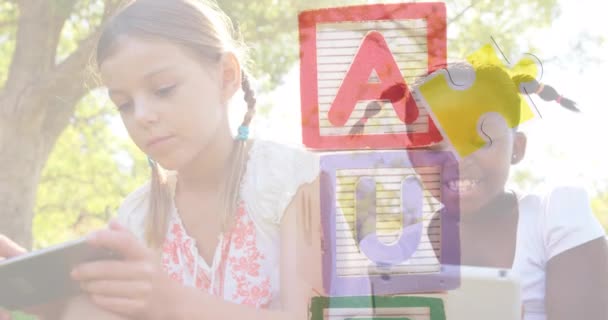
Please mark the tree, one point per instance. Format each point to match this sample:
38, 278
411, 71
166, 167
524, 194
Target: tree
88, 173
45, 49
37, 99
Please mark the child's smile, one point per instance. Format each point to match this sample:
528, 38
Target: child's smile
463, 186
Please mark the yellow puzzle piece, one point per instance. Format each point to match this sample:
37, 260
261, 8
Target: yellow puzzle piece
457, 108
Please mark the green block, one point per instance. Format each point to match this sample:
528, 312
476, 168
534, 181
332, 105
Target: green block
377, 318
318, 304
17, 315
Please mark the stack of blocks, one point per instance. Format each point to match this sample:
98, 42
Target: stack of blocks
390, 241
390, 245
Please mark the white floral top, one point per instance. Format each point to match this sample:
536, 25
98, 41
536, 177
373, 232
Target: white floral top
244, 269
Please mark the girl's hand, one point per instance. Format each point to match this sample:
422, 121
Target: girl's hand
8, 248
136, 286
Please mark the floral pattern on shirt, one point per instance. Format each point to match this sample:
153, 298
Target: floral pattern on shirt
236, 276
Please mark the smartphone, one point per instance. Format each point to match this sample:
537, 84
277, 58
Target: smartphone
43, 276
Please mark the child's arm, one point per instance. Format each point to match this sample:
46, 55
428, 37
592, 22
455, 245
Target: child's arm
136, 287
577, 253
163, 299
577, 283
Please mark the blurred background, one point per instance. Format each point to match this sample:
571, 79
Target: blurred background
66, 161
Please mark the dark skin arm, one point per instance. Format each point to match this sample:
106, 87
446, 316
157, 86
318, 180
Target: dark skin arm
577, 283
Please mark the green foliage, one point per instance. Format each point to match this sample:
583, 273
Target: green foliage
525, 180
85, 17
599, 204
473, 23
92, 168
269, 27
89, 172
22, 316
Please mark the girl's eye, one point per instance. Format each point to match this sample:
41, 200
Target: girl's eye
124, 106
164, 92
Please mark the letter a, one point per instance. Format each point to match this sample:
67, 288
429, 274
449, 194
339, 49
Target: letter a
374, 54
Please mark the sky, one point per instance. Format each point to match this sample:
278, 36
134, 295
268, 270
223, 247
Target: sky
562, 147
579, 139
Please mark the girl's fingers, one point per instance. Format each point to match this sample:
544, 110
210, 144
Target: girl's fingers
112, 270
4, 315
119, 240
117, 289
122, 306
8, 248
115, 225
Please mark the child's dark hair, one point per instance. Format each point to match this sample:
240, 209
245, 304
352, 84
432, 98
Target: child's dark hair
506, 89
529, 85
201, 27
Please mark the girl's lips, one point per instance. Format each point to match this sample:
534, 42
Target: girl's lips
157, 141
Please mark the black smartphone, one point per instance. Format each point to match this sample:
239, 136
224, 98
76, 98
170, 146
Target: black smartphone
43, 276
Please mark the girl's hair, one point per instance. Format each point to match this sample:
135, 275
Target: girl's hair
201, 27
500, 88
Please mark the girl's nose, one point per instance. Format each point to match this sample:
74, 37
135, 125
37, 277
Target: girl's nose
145, 113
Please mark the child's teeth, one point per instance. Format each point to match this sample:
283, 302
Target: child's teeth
462, 185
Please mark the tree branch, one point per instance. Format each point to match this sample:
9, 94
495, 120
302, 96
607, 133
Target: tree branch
84, 215
39, 29
7, 23
77, 69
461, 13
61, 178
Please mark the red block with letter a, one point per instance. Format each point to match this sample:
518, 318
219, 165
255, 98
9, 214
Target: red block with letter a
357, 65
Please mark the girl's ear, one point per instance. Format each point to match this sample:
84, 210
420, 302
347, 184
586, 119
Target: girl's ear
519, 147
230, 76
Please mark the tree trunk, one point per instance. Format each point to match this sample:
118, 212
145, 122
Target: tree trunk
35, 106
26, 140
21, 159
